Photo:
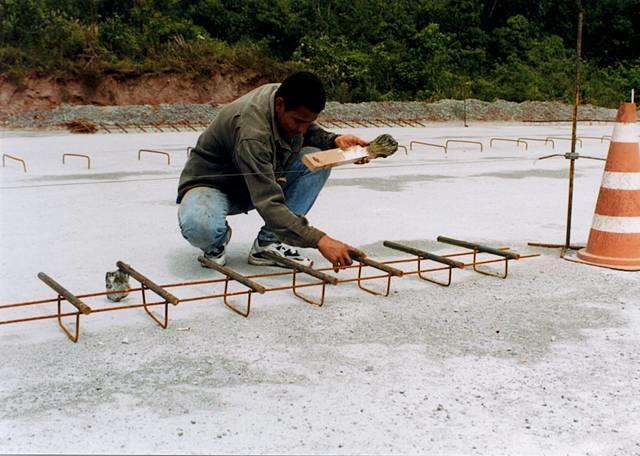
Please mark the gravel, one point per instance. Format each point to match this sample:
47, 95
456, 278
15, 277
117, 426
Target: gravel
202, 114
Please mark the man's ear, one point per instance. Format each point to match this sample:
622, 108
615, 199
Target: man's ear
279, 104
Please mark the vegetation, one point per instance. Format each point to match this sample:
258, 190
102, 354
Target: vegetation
363, 49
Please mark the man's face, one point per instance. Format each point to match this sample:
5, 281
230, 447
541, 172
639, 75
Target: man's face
294, 122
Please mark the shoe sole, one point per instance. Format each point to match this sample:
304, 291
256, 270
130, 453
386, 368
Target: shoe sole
257, 261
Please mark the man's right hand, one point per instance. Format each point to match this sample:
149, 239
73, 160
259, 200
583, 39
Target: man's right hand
337, 252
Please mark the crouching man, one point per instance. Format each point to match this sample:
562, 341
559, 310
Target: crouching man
250, 157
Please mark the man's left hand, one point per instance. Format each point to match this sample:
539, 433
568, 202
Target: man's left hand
346, 141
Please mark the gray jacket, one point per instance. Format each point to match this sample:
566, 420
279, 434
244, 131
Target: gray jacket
242, 153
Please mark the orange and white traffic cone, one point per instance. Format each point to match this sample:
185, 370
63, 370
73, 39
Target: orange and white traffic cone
614, 240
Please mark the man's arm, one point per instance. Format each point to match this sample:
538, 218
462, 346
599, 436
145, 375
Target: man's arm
320, 138
253, 159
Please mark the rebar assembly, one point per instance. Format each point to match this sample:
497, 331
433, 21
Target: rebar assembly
246, 286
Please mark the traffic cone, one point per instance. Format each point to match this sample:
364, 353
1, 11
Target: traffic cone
614, 240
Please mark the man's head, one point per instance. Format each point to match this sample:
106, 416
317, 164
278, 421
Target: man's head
299, 100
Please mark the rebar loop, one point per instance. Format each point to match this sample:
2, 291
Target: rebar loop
156, 152
383, 122
553, 144
391, 271
5, 156
406, 151
78, 155
411, 143
420, 255
602, 139
163, 321
517, 141
184, 122
157, 289
297, 267
479, 248
72, 299
560, 138
104, 127
231, 274
295, 287
148, 284
124, 130
448, 141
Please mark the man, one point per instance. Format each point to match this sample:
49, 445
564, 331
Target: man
251, 157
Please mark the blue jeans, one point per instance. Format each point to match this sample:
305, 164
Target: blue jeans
203, 210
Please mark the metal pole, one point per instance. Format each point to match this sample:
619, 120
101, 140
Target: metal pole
573, 157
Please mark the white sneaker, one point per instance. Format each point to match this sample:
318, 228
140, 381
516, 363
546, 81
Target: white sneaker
277, 248
219, 254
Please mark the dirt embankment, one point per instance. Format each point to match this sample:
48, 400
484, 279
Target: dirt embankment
44, 92
49, 102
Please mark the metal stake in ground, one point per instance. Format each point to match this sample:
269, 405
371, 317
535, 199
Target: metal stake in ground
571, 156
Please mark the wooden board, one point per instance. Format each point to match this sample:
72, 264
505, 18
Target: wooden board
333, 157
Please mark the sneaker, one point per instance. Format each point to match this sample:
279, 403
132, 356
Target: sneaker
219, 254
278, 248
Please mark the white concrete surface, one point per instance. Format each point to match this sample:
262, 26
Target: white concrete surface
544, 362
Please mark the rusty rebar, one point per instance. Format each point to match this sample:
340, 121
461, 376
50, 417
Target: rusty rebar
232, 274
517, 141
300, 267
411, 143
157, 289
70, 297
24, 165
294, 286
479, 247
78, 155
155, 152
463, 141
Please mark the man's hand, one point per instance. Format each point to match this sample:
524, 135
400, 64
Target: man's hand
337, 252
346, 141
